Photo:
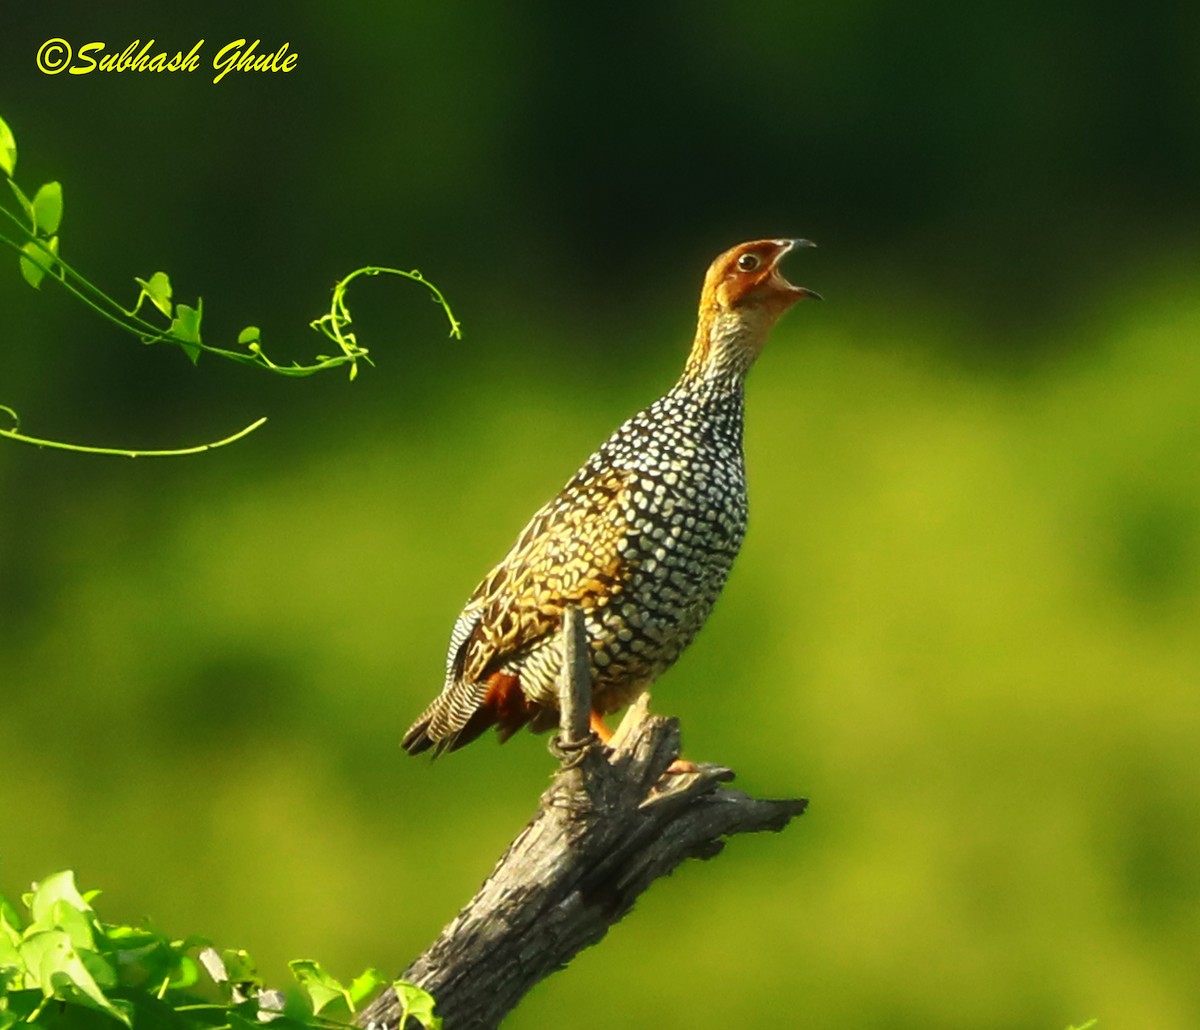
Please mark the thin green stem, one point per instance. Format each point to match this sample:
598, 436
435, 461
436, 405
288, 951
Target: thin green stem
414, 275
184, 329
331, 324
15, 434
149, 334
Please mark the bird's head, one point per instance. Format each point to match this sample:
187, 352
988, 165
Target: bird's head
744, 295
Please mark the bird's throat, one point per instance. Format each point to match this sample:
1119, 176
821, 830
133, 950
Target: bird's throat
727, 344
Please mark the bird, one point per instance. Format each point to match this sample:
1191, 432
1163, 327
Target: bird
640, 540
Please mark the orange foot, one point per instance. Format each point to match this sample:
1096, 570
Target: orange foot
681, 767
598, 727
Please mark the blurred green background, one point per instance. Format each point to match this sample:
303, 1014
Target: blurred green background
965, 620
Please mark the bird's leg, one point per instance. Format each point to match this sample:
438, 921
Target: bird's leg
598, 727
679, 767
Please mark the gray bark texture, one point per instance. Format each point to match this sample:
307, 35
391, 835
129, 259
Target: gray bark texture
612, 822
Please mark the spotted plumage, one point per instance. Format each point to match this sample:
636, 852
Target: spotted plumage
641, 539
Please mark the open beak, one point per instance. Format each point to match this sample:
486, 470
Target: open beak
786, 247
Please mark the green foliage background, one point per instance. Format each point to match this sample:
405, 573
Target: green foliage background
965, 622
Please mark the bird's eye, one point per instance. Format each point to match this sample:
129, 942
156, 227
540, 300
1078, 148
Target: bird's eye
749, 262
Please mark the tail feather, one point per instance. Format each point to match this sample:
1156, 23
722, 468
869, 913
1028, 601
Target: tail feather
441, 724
458, 715
421, 736
417, 739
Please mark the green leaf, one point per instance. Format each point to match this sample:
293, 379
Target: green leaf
23, 200
148, 958
48, 208
8, 149
57, 968
363, 986
248, 335
417, 1004
19, 1007
50, 891
35, 262
149, 1013
321, 987
99, 968
239, 967
157, 291
9, 915
185, 327
10, 956
12, 976
182, 971
74, 922
31, 271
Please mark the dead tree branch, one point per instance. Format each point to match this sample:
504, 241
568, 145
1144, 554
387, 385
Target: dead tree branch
612, 822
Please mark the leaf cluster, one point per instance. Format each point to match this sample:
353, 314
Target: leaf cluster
36, 225
65, 969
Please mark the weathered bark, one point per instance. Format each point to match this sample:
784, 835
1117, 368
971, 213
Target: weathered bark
610, 824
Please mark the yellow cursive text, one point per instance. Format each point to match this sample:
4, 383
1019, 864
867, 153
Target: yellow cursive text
233, 58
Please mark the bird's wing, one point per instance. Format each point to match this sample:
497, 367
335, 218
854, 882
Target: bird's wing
460, 636
569, 553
